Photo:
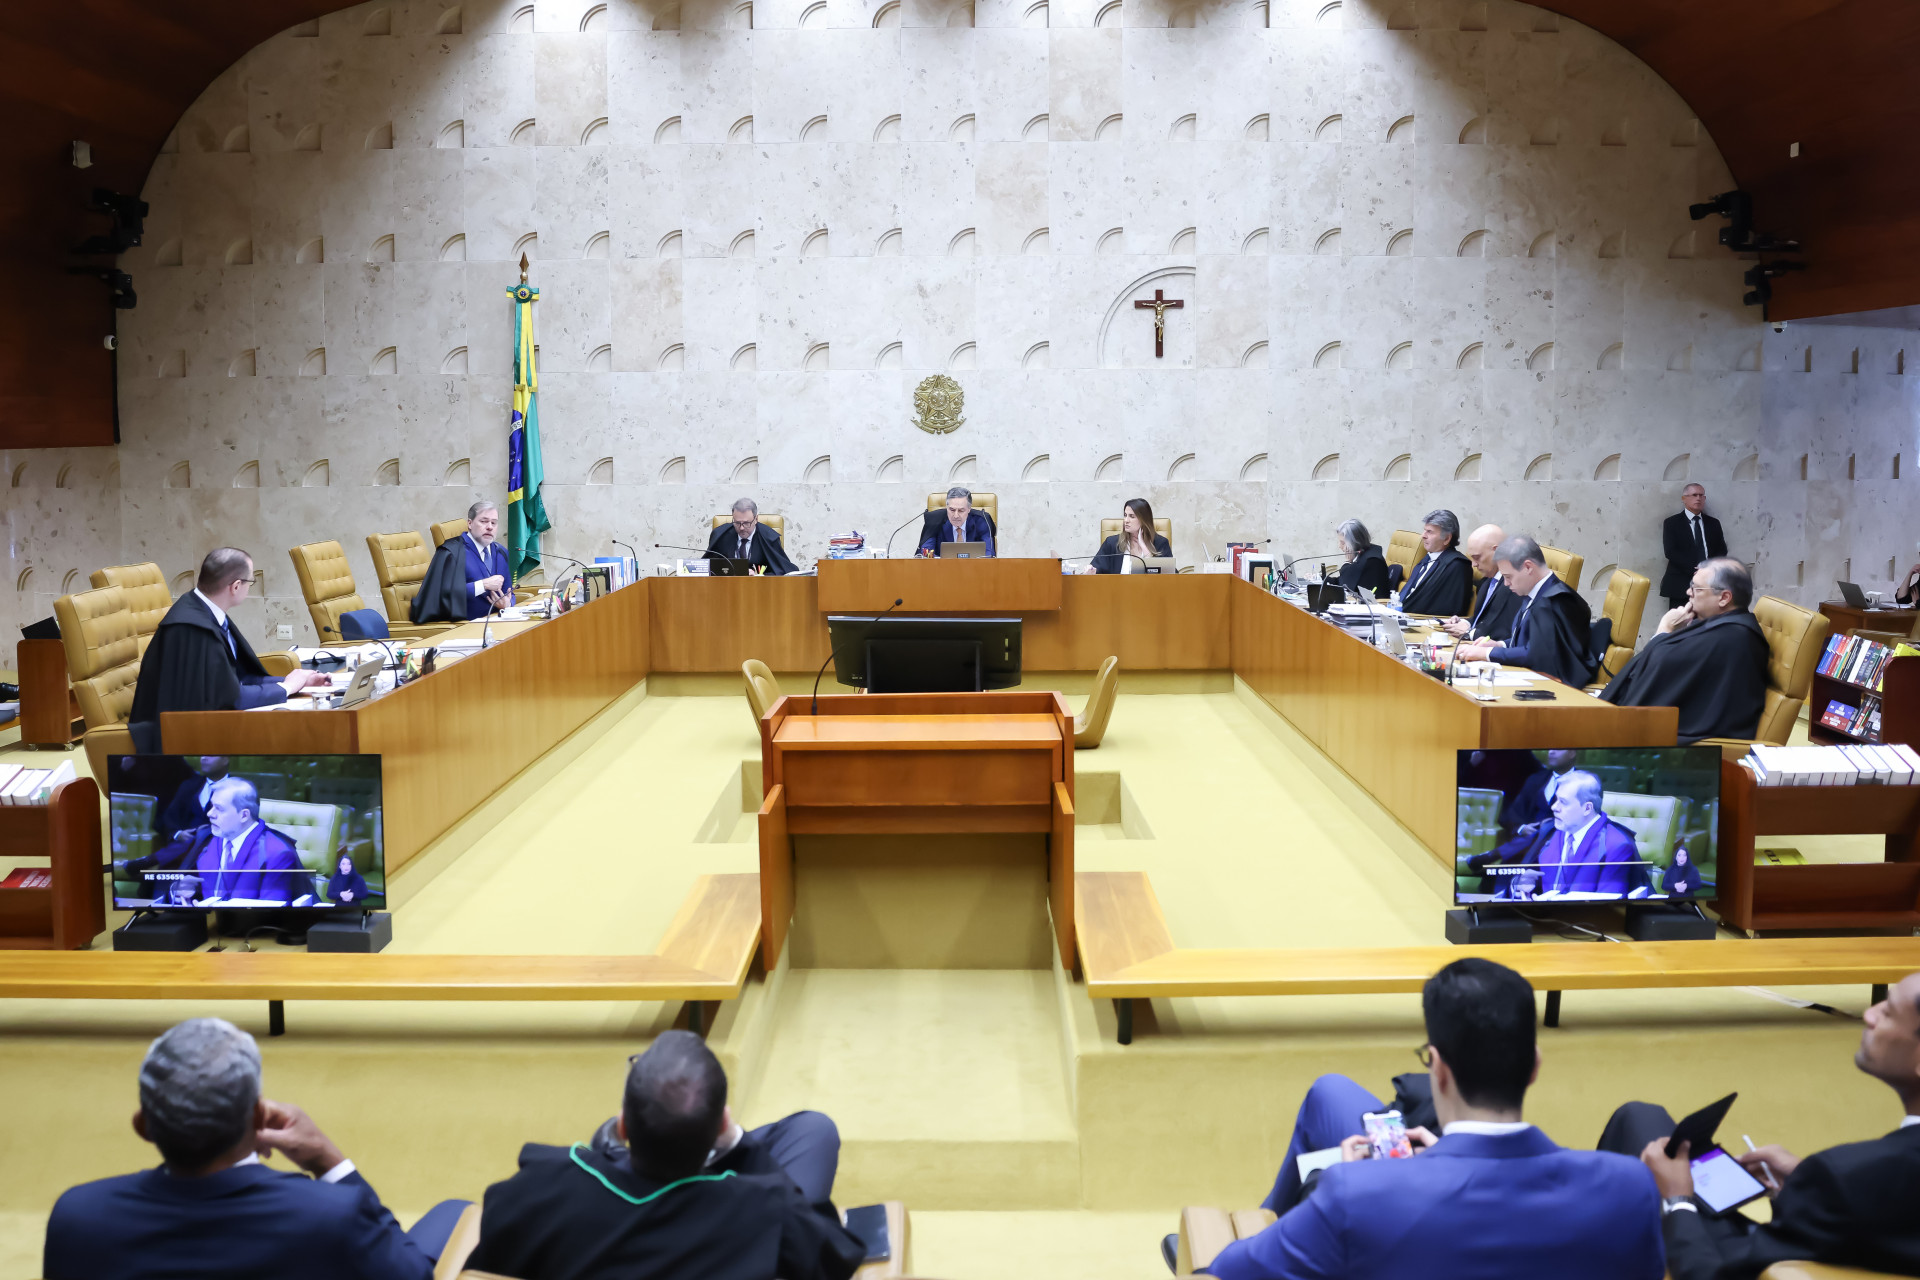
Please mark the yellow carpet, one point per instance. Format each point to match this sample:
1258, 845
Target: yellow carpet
995, 1102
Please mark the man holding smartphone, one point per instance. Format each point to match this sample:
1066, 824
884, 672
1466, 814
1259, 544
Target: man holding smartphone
1851, 1205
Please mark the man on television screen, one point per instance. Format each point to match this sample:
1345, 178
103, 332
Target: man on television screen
238, 856
1583, 851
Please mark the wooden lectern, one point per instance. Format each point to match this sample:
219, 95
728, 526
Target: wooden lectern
915, 763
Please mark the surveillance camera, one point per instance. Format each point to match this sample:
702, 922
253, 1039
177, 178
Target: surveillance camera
1779, 326
108, 342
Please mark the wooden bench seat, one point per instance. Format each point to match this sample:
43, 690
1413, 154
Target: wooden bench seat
704, 957
1127, 954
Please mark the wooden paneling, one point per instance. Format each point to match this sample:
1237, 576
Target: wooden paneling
915, 763
715, 624
1394, 730
48, 709
1151, 622
1006, 586
450, 740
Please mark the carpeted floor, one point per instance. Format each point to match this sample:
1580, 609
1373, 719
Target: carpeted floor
994, 1102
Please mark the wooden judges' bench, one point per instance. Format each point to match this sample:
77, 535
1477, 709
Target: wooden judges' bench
452, 739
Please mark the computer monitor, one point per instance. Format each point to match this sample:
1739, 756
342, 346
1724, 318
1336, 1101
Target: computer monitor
1587, 824
194, 833
925, 655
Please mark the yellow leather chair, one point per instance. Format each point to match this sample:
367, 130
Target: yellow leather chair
400, 562
1795, 636
327, 583
1625, 604
103, 662
987, 502
1090, 726
448, 529
147, 593
1110, 527
1404, 548
1566, 566
762, 689
774, 522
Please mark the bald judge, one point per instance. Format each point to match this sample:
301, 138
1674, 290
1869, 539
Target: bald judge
1494, 607
1709, 659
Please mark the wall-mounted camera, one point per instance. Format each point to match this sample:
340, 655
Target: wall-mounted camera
128, 215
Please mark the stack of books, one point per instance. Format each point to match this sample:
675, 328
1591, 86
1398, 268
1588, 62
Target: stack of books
847, 546
1858, 660
1893, 765
1862, 721
21, 785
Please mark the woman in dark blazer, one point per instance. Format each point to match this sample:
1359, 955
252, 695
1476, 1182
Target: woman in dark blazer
346, 887
1440, 582
1366, 566
1136, 538
1682, 879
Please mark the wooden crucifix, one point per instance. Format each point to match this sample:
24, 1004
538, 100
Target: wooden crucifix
1159, 306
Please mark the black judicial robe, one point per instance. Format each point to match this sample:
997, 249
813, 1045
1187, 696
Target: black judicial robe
446, 592
188, 667
572, 1214
764, 548
1553, 636
1441, 587
1366, 572
1494, 618
1715, 672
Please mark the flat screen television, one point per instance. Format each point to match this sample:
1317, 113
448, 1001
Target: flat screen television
925, 655
1588, 824
194, 833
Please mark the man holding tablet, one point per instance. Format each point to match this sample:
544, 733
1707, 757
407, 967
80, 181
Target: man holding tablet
1851, 1205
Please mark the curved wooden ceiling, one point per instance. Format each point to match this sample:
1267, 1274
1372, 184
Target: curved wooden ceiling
1833, 75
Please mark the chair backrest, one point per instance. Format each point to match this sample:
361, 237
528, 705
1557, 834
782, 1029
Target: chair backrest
327, 583
1654, 821
762, 689
1478, 819
1566, 566
1795, 637
315, 829
1625, 604
400, 562
1090, 726
1110, 526
1404, 548
103, 654
987, 502
777, 523
148, 596
448, 529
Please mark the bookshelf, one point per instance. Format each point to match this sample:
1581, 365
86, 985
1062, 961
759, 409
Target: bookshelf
1882, 687
68, 913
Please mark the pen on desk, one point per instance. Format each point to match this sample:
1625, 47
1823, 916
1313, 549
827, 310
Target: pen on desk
1771, 1180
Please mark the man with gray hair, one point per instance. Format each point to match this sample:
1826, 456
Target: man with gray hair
1689, 538
1440, 584
1709, 658
1552, 634
1581, 852
746, 538
468, 577
213, 1209
958, 523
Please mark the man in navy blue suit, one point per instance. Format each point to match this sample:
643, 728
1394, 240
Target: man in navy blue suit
1492, 1196
1581, 851
1552, 635
963, 524
213, 1210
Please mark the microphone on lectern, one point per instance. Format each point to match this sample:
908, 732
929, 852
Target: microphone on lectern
815, 709
1297, 559
921, 515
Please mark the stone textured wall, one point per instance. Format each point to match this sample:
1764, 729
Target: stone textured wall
1431, 254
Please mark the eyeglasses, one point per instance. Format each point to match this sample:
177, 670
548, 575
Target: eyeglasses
1425, 1054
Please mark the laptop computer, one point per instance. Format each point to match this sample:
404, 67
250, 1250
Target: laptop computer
963, 551
360, 688
719, 566
1854, 596
1160, 564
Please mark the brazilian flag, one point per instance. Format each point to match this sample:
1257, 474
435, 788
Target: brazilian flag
526, 512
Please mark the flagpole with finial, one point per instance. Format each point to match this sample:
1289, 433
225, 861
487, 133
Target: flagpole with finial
526, 513
523, 268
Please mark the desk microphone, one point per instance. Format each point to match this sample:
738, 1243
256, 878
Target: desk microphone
1297, 559
815, 710
703, 552
920, 516
628, 546
1128, 554
543, 557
